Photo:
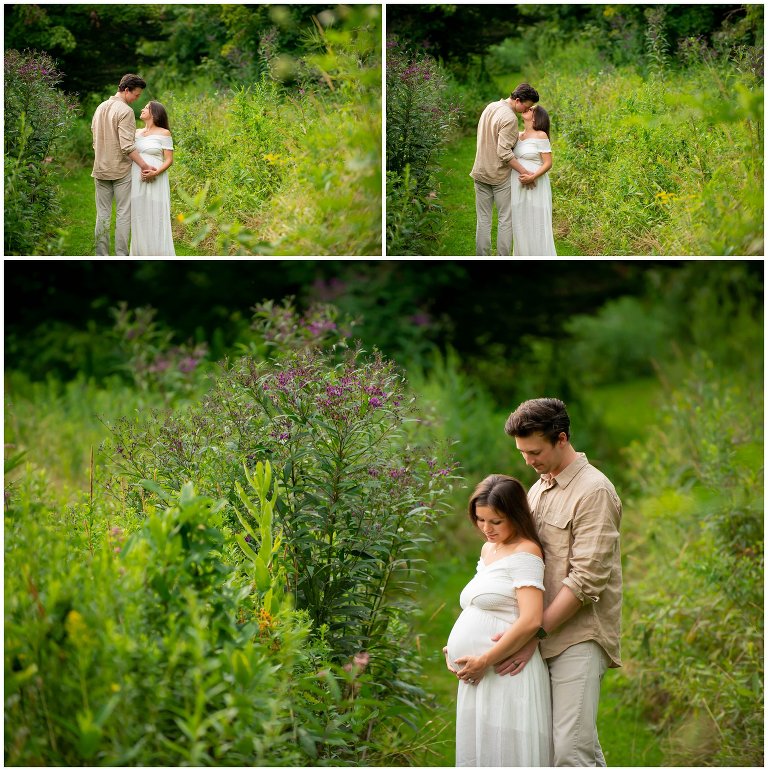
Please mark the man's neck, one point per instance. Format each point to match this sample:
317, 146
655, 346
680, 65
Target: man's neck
569, 456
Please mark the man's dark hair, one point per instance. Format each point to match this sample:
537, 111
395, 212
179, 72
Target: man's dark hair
129, 82
545, 416
525, 93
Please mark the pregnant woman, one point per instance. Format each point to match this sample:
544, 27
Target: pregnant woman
501, 721
532, 204
151, 234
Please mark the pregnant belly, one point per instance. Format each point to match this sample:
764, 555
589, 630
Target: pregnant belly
471, 634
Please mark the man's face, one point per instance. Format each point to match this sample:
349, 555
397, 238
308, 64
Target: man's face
540, 454
132, 94
520, 106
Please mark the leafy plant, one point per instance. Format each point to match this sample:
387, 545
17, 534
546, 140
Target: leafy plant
37, 116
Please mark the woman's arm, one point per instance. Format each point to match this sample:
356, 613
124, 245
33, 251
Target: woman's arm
530, 601
546, 165
167, 162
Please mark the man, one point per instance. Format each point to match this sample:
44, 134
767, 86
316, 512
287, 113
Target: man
577, 515
114, 131
497, 133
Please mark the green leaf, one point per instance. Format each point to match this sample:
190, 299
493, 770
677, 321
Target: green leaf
152, 486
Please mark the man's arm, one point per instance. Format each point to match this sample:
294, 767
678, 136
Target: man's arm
505, 148
126, 136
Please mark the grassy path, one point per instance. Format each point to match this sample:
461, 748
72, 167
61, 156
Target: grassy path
79, 209
457, 197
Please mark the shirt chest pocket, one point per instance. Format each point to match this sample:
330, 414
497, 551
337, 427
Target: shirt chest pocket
556, 533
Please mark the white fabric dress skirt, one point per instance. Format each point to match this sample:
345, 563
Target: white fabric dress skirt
503, 720
532, 207
151, 234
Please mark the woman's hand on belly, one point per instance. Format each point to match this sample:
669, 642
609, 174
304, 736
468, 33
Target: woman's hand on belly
448, 661
472, 669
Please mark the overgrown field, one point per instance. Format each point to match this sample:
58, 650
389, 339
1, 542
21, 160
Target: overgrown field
657, 150
222, 564
282, 156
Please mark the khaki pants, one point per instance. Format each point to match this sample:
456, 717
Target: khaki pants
576, 675
485, 197
106, 190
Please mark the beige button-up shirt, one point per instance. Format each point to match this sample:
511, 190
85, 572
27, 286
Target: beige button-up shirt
114, 131
577, 515
497, 135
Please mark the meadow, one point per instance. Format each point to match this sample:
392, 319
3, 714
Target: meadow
224, 563
277, 133
656, 131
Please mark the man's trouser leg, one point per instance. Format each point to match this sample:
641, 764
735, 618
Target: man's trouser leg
484, 211
123, 215
502, 194
576, 675
104, 193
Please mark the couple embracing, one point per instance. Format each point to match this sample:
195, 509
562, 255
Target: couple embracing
511, 171
540, 621
131, 167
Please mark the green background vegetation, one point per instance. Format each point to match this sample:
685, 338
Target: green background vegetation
657, 122
661, 367
275, 113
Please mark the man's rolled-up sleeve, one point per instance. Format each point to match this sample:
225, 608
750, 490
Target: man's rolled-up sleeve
505, 146
595, 532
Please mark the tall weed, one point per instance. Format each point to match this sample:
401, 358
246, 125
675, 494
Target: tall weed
37, 117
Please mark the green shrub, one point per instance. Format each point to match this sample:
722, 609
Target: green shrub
357, 497
155, 647
37, 116
418, 118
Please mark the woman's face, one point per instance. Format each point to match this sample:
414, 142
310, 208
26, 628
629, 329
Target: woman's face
145, 113
494, 526
528, 115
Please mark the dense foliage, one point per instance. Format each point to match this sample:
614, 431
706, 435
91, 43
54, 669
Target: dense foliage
245, 568
419, 121
697, 564
37, 115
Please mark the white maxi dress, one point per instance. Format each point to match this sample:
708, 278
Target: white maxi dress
532, 207
503, 720
151, 234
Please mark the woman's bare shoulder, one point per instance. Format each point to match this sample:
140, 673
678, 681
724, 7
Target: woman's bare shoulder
529, 547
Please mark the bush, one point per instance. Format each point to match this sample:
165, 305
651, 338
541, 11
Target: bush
357, 493
37, 116
419, 120
156, 647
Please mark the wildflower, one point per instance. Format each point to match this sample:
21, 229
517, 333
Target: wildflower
374, 402
180, 217
77, 629
188, 364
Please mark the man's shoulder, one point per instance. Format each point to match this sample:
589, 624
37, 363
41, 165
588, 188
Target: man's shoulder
591, 480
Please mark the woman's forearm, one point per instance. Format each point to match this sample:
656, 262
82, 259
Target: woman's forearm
512, 640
